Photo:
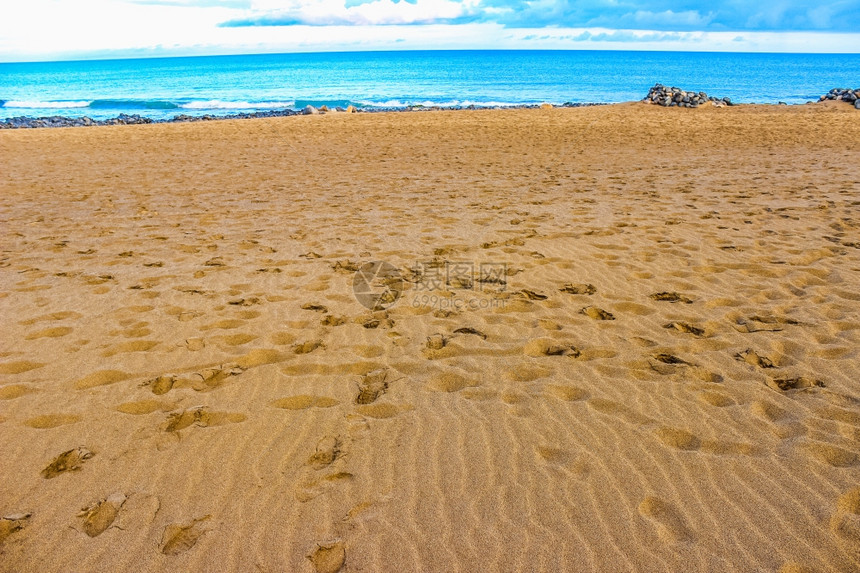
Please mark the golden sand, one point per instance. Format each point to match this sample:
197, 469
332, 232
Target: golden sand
665, 377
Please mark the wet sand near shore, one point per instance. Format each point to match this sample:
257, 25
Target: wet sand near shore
627, 338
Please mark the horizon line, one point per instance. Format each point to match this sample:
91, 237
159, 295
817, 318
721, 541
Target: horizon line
411, 50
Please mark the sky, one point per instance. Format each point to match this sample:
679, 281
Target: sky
38, 30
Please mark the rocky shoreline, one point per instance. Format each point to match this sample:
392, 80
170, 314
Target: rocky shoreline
676, 97
657, 95
25, 122
843, 94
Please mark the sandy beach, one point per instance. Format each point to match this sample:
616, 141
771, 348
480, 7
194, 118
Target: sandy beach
620, 338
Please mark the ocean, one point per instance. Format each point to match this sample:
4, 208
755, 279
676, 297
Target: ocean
164, 87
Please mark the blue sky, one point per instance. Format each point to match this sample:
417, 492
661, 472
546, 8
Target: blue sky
66, 29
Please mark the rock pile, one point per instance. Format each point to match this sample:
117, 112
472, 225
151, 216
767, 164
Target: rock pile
842, 94
676, 97
60, 121
125, 119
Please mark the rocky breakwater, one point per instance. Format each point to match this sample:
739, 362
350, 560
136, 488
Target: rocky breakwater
61, 121
125, 119
843, 94
676, 97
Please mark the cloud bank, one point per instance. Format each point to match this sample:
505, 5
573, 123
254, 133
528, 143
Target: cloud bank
663, 15
86, 29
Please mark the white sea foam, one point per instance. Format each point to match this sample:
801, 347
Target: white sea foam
430, 103
29, 104
219, 104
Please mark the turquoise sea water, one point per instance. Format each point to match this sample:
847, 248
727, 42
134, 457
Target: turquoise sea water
162, 88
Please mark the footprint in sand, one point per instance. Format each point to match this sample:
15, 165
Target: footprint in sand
845, 522
800, 383
328, 557
162, 384
470, 330
12, 523
179, 538
548, 324
205, 380
376, 320
545, 347
211, 378
762, 323
282, 338
250, 301
201, 417
715, 399
100, 515
372, 386
597, 313
753, 358
668, 364
566, 393
450, 382
678, 439
768, 411
582, 288
530, 295
685, 328
307, 347
436, 342
327, 451
69, 461
315, 486
663, 358
670, 524
527, 372
780, 422
670, 297
565, 460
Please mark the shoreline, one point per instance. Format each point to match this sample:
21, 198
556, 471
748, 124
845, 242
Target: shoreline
57, 121
657, 95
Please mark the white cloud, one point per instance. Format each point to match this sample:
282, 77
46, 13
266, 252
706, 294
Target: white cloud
337, 12
61, 29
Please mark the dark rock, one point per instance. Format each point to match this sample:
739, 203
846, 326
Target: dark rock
676, 97
842, 94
